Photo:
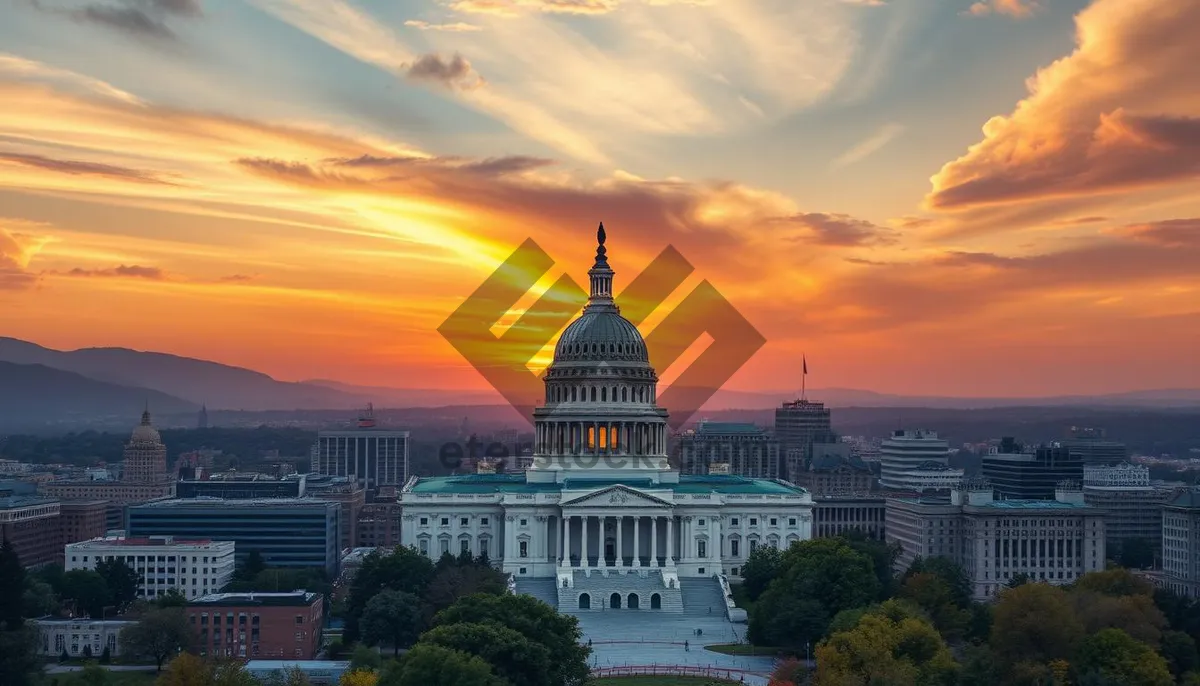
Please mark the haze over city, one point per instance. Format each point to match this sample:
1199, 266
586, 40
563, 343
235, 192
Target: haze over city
923, 197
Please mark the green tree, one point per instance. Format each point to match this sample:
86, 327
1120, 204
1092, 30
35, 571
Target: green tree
433, 665
1034, 623
172, 598
886, 647
949, 572
392, 617
1134, 614
533, 619
761, 567
160, 634
883, 556
790, 623
252, 566
39, 598
937, 599
122, 582
18, 641
86, 590
451, 583
403, 569
1114, 655
12, 576
1179, 650
365, 657
511, 655
95, 675
105, 656
1115, 582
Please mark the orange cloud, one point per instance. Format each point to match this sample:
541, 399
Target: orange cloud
1018, 9
1121, 113
457, 26
131, 271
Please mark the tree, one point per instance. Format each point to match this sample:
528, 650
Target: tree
88, 592
1179, 650
19, 664
359, 677
888, 646
365, 657
451, 583
1115, 582
938, 599
533, 619
160, 634
95, 675
403, 569
39, 598
511, 655
761, 567
122, 582
87, 651
105, 656
172, 598
12, 576
1136, 553
1114, 655
790, 623
882, 555
252, 566
392, 616
1034, 623
1019, 579
433, 665
949, 572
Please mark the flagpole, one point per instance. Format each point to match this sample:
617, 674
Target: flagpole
804, 378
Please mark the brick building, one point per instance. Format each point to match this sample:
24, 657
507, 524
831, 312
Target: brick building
32, 525
82, 520
258, 625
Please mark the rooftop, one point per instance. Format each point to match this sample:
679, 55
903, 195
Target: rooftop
290, 599
155, 541
13, 502
302, 664
515, 483
204, 501
706, 428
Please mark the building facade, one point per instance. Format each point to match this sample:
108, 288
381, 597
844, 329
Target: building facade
80, 637
1181, 544
194, 568
33, 526
836, 515
601, 520
1030, 472
376, 457
1091, 446
798, 425
258, 625
300, 533
745, 448
1133, 504
83, 520
915, 461
834, 471
1050, 541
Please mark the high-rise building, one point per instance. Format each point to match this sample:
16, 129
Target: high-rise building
915, 461
798, 425
1181, 544
1090, 445
298, 533
1030, 472
1133, 504
194, 568
745, 448
376, 457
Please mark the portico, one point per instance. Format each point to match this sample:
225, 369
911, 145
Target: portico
597, 539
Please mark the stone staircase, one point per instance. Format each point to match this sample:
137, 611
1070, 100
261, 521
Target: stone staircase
701, 594
602, 583
542, 589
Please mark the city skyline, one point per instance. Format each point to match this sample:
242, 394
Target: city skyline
309, 188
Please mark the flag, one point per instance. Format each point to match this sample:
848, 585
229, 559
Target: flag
805, 361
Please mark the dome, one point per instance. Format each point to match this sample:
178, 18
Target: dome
601, 336
144, 432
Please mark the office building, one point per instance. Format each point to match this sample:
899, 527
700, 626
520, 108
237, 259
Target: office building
1181, 544
297, 533
1030, 472
1091, 446
83, 520
916, 461
376, 457
836, 515
1133, 504
1050, 541
33, 525
833, 470
798, 425
193, 567
80, 637
258, 625
379, 521
745, 448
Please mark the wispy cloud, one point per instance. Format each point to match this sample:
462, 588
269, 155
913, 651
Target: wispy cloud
457, 27
131, 271
141, 18
869, 146
1018, 9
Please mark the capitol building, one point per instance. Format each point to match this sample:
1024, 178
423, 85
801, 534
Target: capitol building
601, 520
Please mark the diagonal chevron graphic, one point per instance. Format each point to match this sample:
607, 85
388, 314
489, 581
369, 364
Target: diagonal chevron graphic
503, 360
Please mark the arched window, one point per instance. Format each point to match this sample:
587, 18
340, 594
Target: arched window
624, 394
593, 394
573, 394
604, 395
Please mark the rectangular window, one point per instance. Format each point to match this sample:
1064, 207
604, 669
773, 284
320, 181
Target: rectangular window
524, 549
774, 521
483, 547
791, 521
524, 522
734, 521
462, 521
754, 521
445, 521
483, 521
464, 546
445, 545
701, 522
734, 547
424, 521
425, 547
702, 548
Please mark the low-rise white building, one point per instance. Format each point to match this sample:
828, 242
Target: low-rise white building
1050, 541
195, 568
80, 637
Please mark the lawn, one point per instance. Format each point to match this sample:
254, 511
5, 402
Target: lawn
744, 649
661, 681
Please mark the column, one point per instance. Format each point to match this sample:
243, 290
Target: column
583, 554
671, 540
620, 543
654, 541
567, 540
637, 541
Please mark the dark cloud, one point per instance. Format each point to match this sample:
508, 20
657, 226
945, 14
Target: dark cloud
838, 230
80, 168
142, 18
123, 271
455, 73
1173, 233
491, 166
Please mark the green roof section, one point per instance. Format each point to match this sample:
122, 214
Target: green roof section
516, 483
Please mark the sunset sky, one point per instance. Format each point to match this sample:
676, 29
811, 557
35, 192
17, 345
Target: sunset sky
923, 196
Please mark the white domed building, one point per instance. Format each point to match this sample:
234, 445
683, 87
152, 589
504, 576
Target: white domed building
601, 520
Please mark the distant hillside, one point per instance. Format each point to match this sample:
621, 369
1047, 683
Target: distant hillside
199, 381
34, 395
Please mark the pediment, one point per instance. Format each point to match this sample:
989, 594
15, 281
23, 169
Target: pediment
617, 497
